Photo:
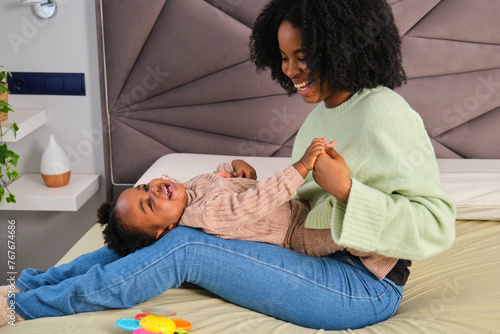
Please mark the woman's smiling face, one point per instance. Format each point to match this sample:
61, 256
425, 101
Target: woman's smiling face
293, 64
155, 208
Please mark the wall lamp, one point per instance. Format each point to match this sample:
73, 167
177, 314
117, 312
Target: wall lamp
44, 9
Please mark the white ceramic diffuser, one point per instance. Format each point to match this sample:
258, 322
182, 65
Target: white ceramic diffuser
54, 166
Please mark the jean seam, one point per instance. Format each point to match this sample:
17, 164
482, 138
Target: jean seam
129, 277
306, 279
22, 285
362, 268
243, 256
19, 311
397, 307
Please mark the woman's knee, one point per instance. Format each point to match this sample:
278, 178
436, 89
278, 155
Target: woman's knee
186, 236
179, 241
181, 235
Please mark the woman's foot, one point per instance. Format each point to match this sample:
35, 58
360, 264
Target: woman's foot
8, 314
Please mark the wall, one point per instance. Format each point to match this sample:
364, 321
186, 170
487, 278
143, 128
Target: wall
65, 43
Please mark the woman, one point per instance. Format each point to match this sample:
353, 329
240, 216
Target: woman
378, 203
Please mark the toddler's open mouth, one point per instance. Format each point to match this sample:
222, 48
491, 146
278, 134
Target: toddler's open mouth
167, 189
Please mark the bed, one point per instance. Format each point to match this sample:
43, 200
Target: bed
454, 292
178, 90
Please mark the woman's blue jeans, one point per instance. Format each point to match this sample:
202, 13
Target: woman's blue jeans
333, 292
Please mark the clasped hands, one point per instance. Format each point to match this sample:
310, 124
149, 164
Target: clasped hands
329, 169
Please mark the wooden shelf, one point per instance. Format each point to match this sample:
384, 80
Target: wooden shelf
33, 195
28, 121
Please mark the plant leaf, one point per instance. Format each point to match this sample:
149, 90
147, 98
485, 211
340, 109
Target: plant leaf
15, 128
5, 107
11, 198
5, 154
4, 89
14, 158
13, 175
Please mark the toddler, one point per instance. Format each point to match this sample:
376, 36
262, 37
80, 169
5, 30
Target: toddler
223, 205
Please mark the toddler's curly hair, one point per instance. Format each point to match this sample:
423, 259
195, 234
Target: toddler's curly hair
352, 44
117, 236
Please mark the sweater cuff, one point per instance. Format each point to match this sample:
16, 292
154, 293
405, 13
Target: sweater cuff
293, 176
357, 224
226, 167
321, 215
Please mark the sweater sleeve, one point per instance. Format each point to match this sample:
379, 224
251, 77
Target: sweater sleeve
397, 206
401, 209
394, 225
229, 209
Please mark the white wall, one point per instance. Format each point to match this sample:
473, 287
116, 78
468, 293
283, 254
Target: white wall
65, 43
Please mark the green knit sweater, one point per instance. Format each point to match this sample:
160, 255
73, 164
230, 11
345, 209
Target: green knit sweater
397, 206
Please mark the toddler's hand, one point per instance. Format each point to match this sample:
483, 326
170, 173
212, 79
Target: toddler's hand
318, 146
244, 170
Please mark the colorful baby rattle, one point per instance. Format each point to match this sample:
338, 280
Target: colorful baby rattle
154, 320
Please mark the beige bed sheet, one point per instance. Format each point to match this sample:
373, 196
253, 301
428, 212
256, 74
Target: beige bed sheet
455, 292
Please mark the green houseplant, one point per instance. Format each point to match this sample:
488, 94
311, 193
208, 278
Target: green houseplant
8, 159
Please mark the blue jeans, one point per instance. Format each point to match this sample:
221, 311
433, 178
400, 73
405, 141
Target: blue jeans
333, 292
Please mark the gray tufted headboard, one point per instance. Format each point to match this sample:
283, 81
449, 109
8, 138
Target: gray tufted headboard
176, 77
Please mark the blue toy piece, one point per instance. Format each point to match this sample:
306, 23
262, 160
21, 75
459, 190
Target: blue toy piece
128, 324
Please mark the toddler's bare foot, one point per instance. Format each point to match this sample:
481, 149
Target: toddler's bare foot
8, 315
6, 290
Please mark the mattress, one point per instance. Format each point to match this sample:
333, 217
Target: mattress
454, 292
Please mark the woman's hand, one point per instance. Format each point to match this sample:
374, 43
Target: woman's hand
332, 174
244, 170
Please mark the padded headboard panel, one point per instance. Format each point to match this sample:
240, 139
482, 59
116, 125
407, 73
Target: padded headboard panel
176, 77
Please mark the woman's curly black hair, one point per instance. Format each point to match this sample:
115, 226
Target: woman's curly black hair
352, 44
119, 238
